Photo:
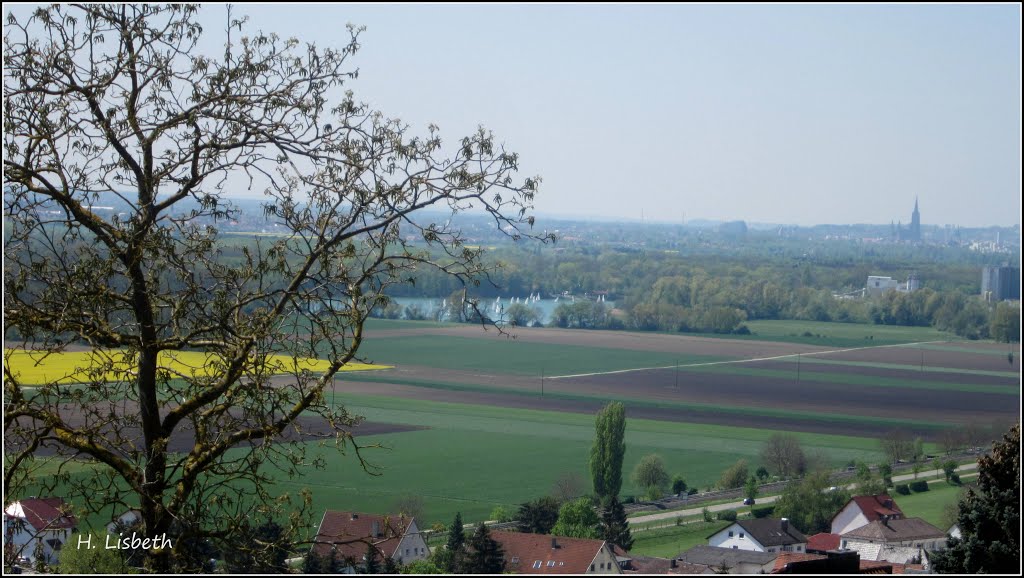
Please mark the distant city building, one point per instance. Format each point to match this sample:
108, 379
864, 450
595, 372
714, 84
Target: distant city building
1000, 283
913, 231
877, 285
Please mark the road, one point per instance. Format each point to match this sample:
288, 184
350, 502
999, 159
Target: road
765, 500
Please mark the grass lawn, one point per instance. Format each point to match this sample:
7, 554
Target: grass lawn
931, 505
513, 356
667, 542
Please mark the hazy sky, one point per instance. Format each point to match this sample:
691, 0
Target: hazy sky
786, 114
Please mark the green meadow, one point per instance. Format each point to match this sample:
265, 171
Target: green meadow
474, 458
831, 334
514, 357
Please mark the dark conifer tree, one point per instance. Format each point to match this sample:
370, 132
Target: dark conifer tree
485, 555
614, 525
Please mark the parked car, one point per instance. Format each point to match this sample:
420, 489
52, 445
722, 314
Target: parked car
748, 502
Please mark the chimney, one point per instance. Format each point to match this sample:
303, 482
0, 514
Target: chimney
785, 525
554, 543
355, 516
888, 504
673, 563
376, 529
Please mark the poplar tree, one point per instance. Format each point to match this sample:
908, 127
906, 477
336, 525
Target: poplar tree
609, 450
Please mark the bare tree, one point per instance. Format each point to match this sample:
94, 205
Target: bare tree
784, 456
117, 105
567, 487
897, 445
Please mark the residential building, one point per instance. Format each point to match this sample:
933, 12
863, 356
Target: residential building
760, 535
38, 528
729, 560
862, 510
901, 540
652, 565
543, 554
348, 536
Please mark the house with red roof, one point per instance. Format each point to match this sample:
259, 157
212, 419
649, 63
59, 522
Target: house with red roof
349, 535
543, 554
823, 542
38, 527
862, 510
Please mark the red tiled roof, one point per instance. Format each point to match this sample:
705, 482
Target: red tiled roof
823, 542
47, 513
902, 568
874, 507
569, 556
349, 534
789, 557
872, 567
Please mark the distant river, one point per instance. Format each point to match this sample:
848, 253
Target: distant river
432, 307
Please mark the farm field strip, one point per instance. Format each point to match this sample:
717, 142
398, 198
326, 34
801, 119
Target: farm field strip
860, 380
909, 367
661, 404
736, 361
513, 357
68, 367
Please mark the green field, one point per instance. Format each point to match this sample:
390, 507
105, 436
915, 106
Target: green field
514, 357
474, 458
839, 334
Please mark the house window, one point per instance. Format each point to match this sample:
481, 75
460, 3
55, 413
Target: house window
515, 559
551, 563
799, 548
406, 551
735, 547
537, 564
741, 535
591, 567
730, 533
602, 565
844, 544
771, 549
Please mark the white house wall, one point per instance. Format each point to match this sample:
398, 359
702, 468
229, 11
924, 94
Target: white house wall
848, 519
739, 540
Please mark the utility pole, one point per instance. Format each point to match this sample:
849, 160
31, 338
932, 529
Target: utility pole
542, 382
798, 368
677, 374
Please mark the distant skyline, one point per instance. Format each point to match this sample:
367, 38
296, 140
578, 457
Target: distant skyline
780, 113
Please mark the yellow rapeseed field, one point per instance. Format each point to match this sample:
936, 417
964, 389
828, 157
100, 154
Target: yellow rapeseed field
37, 368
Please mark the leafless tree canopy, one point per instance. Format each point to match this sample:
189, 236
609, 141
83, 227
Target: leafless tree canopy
118, 102
783, 455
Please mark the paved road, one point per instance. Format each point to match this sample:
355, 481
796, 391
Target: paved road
765, 500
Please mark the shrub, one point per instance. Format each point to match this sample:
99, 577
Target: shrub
763, 512
691, 491
629, 500
954, 479
727, 515
903, 489
919, 486
707, 515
